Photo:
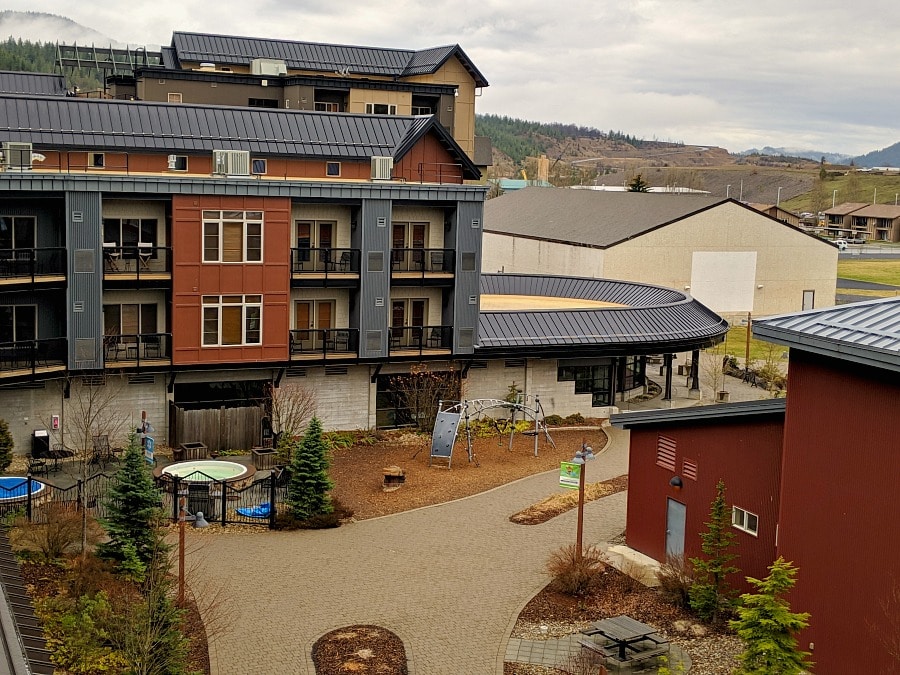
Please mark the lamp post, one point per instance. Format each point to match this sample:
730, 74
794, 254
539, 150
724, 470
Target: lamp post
585, 454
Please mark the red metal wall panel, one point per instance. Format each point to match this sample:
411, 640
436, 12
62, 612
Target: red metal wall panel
438, 164
192, 279
745, 454
839, 521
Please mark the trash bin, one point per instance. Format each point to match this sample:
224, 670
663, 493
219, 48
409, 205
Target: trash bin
40, 443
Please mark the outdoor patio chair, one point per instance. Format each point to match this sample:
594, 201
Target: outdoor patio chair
37, 466
344, 262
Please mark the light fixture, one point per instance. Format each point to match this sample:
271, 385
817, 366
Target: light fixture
759, 286
687, 288
675, 482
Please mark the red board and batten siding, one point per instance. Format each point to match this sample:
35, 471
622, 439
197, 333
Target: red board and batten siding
745, 454
840, 520
192, 278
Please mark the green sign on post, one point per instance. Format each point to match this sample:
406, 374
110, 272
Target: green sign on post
569, 474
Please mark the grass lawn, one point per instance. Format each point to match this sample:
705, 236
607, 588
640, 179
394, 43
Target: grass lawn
736, 343
878, 271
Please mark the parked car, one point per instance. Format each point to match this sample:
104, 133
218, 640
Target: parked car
856, 240
841, 244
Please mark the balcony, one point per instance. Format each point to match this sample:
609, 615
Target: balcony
136, 351
423, 266
420, 340
142, 263
325, 266
32, 265
324, 343
32, 357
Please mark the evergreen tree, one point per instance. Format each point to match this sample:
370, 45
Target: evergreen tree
710, 592
767, 626
6, 446
638, 184
132, 507
309, 484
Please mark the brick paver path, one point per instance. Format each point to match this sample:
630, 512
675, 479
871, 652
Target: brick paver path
450, 580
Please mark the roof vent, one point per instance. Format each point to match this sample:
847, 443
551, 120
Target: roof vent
382, 168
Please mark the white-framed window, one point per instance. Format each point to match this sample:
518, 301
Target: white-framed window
232, 236
744, 520
96, 160
173, 97
421, 110
178, 162
381, 109
258, 167
231, 320
332, 169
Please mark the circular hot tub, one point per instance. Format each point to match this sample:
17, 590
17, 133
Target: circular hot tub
205, 471
14, 489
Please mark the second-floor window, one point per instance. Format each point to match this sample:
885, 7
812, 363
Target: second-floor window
380, 109
18, 323
16, 232
129, 232
230, 320
129, 319
232, 236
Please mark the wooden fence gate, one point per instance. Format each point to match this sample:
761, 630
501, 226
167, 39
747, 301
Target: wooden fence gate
219, 428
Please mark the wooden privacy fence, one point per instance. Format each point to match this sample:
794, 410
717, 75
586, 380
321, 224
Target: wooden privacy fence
219, 428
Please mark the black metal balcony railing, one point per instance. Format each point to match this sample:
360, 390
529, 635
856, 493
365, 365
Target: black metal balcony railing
436, 172
324, 260
420, 338
325, 341
136, 261
422, 260
27, 263
32, 355
137, 349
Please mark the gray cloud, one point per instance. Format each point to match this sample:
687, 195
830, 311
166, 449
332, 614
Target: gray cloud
813, 73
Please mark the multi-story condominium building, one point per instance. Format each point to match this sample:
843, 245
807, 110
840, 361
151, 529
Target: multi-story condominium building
267, 73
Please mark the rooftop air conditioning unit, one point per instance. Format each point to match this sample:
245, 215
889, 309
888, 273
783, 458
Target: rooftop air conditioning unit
17, 156
231, 162
382, 168
268, 67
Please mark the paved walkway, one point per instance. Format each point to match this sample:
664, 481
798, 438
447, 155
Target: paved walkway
450, 580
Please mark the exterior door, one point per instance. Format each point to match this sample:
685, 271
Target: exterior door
809, 299
398, 243
311, 317
398, 315
675, 516
417, 320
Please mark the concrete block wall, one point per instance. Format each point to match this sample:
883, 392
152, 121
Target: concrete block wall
342, 401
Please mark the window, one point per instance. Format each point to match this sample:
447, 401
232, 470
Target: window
129, 319
258, 167
744, 520
232, 236
380, 109
17, 232
421, 110
230, 320
326, 106
18, 323
130, 233
263, 103
96, 160
174, 97
332, 168
178, 162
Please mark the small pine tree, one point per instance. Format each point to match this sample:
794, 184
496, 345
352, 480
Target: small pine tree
309, 484
638, 184
710, 593
132, 505
6, 446
767, 626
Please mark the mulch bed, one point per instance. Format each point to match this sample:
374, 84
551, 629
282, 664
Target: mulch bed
369, 650
557, 504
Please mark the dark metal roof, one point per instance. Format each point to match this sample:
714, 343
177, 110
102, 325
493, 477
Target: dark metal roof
41, 84
161, 127
864, 332
654, 319
725, 412
596, 218
237, 50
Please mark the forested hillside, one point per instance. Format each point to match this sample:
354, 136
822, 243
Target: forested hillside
40, 57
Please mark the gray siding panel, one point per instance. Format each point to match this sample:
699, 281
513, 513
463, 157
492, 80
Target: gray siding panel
374, 315
465, 239
84, 226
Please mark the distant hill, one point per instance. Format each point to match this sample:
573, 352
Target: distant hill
889, 156
815, 155
43, 27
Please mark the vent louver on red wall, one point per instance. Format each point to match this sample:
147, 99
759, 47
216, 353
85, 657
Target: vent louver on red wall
665, 452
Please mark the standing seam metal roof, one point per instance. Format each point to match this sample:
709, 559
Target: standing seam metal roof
237, 50
43, 84
107, 124
864, 332
653, 319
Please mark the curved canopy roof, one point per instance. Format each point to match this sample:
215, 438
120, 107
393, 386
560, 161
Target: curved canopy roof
639, 318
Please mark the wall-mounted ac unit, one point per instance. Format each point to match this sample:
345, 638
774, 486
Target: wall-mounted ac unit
268, 67
382, 168
231, 162
17, 156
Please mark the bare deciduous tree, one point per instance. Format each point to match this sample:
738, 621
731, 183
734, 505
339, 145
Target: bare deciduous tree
420, 391
291, 407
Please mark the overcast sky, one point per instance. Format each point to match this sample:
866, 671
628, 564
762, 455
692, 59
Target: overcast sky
809, 74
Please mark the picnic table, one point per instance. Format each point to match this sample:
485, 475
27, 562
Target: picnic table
630, 640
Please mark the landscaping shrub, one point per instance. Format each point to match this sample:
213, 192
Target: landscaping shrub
574, 418
285, 520
675, 582
339, 439
58, 537
573, 575
309, 486
553, 420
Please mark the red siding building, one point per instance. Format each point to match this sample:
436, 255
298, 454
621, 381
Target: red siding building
817, 482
